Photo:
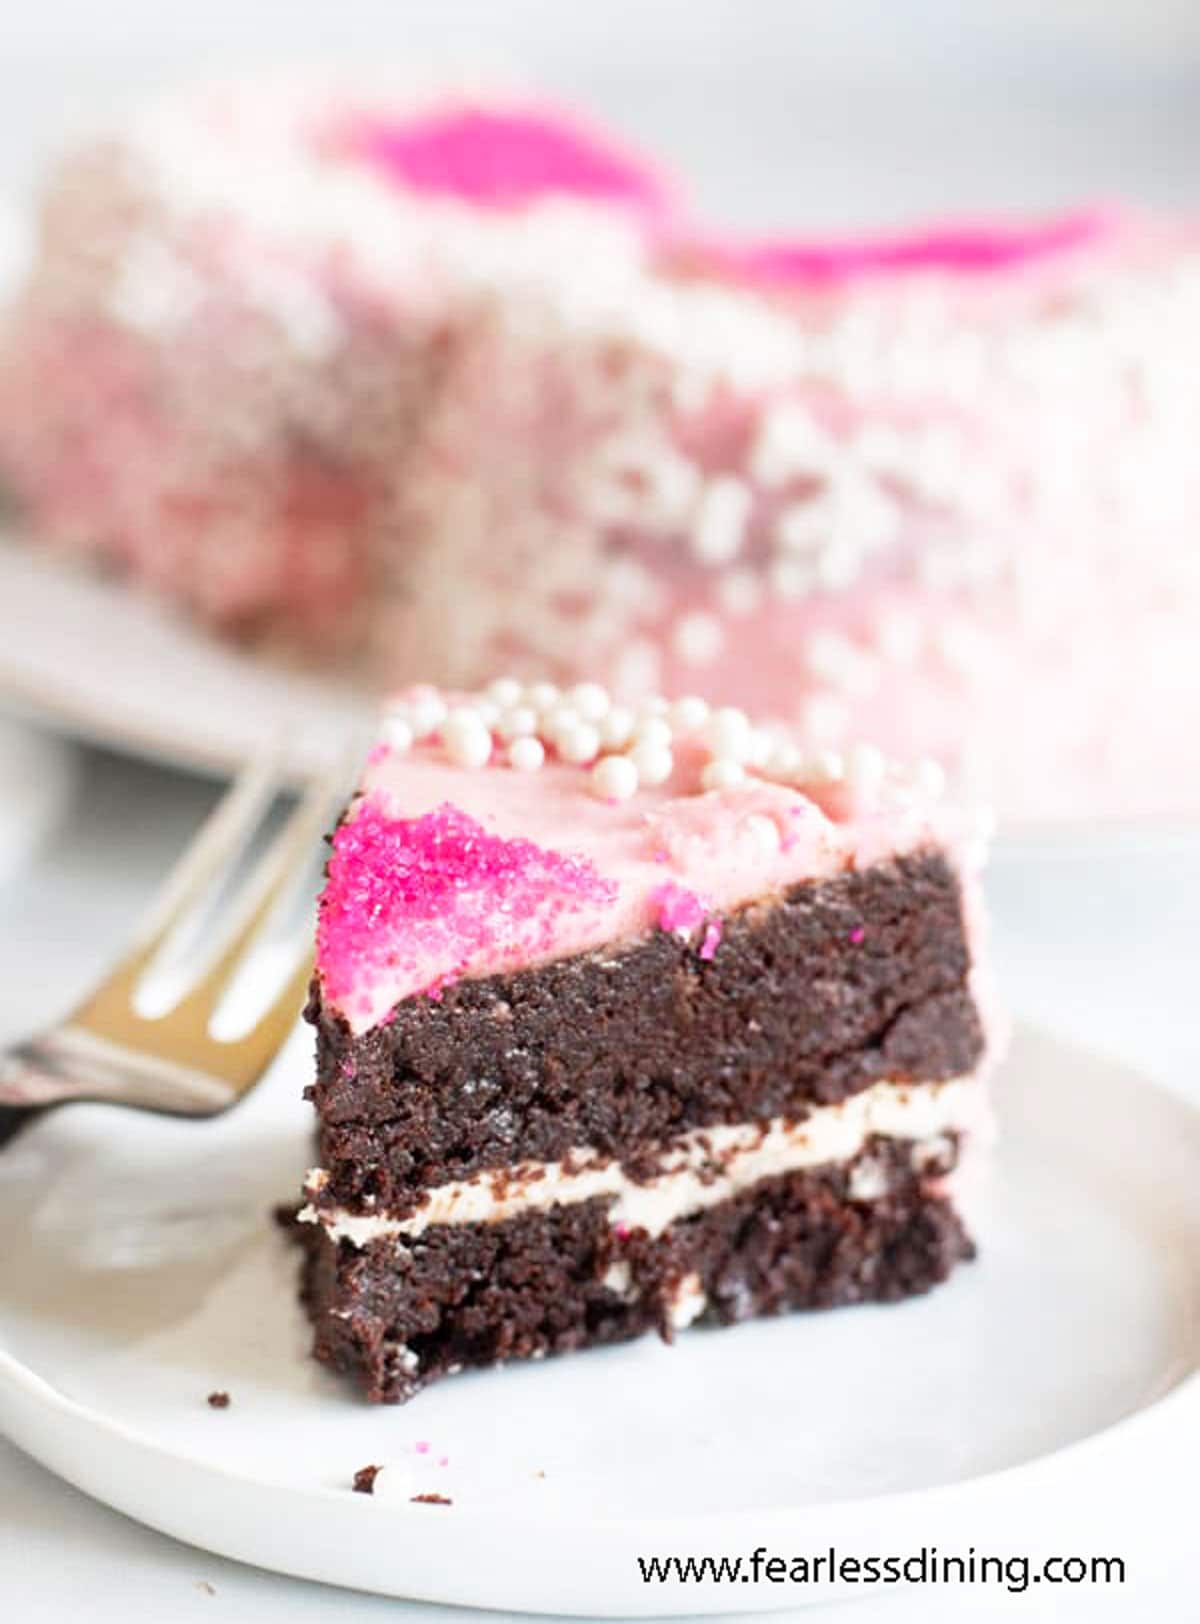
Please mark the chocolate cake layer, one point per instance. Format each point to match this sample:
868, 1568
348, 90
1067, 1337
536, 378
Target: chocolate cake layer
467, 1295
836, 985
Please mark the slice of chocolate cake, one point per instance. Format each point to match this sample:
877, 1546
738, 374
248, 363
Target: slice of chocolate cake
627, 1021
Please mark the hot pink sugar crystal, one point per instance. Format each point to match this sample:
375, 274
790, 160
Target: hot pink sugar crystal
679, 910
421, 900
503, 160
682, 912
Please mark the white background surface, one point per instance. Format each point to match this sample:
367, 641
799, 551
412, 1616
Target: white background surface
786, 112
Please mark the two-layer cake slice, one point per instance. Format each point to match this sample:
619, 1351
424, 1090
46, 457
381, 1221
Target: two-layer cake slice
626, 1021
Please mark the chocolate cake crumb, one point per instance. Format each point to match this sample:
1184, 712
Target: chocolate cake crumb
364, 1479
432, 1500
218, 1401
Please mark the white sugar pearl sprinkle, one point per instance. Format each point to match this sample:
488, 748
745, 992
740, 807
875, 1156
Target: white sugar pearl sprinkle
728, 731
462, 719
723, 774
397, 734
472, 750
468, 743
579, 743
517, 722
689, 713
543, 696
698, 638
526, 754
616, 729
590, 700
719, 527
426, 713
654, 731
559, 722
505, 691
614, 778
654, 763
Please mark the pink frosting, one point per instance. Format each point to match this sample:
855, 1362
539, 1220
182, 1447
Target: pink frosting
441, 872
407, 895
960, 249
504, 159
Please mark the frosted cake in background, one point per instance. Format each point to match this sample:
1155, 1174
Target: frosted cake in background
239, 310
939, 492
423, 383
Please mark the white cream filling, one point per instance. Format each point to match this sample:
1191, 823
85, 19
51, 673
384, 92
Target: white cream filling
687, 1303
700, 1169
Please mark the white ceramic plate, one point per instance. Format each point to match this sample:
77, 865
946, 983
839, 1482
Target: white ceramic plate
139, 1271
115, 667
37, 785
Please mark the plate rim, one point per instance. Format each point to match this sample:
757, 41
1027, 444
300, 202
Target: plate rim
595, 1542
138, 731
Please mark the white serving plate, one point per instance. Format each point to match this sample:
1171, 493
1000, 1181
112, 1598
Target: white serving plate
116, 667
140, 1271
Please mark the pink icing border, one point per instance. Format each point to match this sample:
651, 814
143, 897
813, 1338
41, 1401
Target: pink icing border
960, 248
502, 159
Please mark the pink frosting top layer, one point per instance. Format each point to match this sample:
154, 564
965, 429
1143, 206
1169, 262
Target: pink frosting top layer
963, 248
441, 872
504, 158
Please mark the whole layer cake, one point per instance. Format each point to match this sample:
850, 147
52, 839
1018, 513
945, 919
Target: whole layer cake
240, 305
937, 491
430, 383
628, 1020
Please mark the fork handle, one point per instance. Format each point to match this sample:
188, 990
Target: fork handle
31, 1084
15, 1117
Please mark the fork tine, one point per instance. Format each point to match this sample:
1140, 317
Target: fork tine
281, 865
218, 841
235, 817
244, 1060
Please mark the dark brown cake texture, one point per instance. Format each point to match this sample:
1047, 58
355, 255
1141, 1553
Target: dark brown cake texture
482, 1294
813, 996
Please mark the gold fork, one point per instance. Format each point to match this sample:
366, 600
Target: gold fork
108, 1050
